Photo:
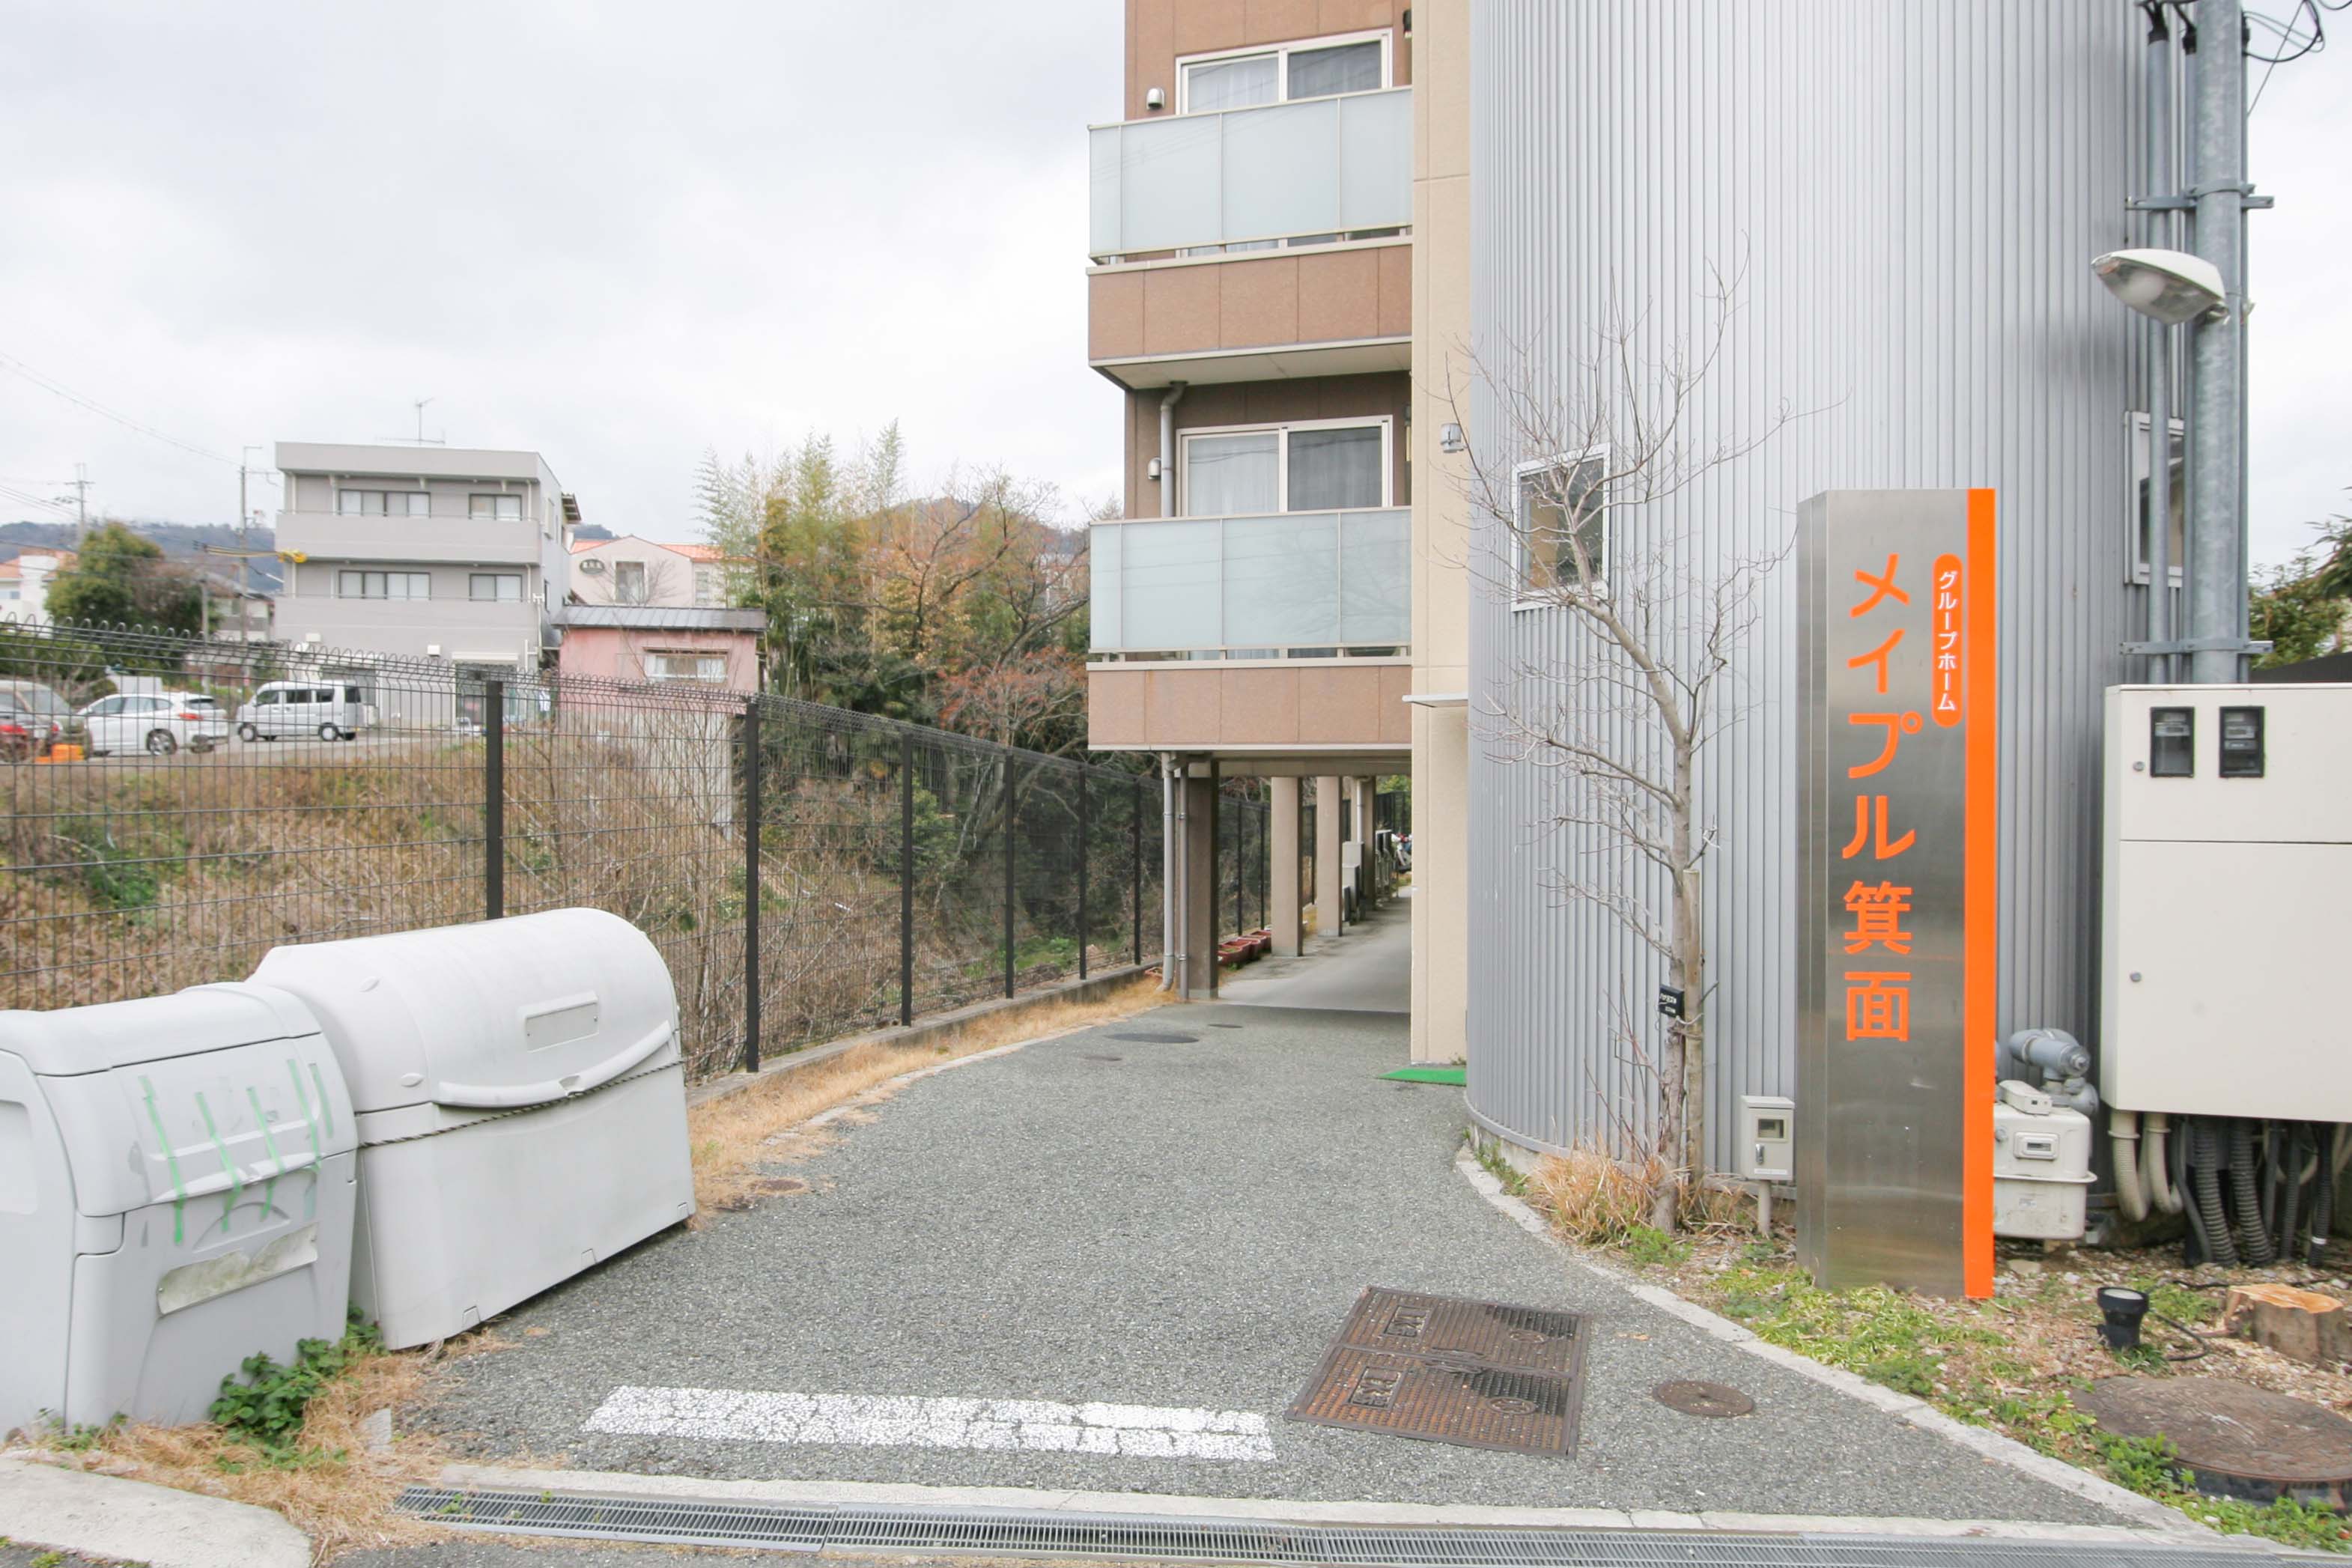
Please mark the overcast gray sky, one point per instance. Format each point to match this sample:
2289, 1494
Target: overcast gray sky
621, 233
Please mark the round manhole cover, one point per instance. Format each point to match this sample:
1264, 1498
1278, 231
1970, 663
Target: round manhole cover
1703, 1398
2239, 1441
1147, 1037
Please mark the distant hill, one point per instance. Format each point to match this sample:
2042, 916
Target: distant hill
180, 541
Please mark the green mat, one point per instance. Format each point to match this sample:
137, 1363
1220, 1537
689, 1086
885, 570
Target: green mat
1458, 1077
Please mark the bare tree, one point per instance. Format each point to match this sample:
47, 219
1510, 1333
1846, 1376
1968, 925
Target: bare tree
1584, 479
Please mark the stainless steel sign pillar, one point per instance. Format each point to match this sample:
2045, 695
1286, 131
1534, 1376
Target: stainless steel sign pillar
1899, 718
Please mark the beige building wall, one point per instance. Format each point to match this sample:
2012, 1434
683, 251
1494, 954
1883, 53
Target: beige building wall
1441, 532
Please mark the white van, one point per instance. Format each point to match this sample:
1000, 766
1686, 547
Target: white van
330, 710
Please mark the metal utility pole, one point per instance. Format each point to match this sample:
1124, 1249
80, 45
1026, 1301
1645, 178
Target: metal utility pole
2160, 179
81, 504
2216, 447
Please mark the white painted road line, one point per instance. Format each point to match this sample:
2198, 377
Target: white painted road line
1137, 1431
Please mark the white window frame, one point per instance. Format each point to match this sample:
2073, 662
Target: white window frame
2139, 463
387, 574
1524, 598
494, 497
494, 598
1384, 37
1387, 423
407, 497
698, 655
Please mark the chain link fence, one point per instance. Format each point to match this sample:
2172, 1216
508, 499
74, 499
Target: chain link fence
177, 807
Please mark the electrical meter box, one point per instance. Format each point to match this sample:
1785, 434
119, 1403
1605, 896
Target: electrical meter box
176, 1191
1768, 1141
2040, 1166
521, 1101
2226, 856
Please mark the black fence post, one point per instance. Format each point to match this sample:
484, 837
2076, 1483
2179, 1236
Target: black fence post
1266, 864
1241, 865
752, 885
1084, 845
494, 800
905, 879
1135, 883
1011, 810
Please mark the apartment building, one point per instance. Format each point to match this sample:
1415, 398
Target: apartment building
424, 551
1251, 299
630, 570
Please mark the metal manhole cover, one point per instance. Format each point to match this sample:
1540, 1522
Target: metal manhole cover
1447, 1370
2239, 1441
1703, 1398
1150, 1038
1529, 1338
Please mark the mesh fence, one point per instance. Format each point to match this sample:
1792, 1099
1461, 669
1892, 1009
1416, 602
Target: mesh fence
177, 807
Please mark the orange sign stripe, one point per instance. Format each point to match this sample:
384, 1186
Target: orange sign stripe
1980, 892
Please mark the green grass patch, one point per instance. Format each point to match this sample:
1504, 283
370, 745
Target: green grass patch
265, 1412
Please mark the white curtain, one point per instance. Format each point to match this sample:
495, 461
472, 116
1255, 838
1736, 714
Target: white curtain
1230, 475
1229, 84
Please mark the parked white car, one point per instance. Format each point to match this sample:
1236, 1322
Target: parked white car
158, 722
330, 710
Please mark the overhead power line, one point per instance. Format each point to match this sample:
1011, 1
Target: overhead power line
46, 384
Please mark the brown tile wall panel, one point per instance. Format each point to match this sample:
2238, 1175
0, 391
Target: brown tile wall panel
1396, 716
1115, 707
1396, 291
1206, 24
1257, 302
1276, 21
1180, 309
1339, 294
1339, 703
1115, 315
1182, 702
1260, 707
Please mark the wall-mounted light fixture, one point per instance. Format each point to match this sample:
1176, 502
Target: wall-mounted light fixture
1449, 438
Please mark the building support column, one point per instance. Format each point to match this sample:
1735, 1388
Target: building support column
1327, 881
1282, 913
1199, 913
1441, 884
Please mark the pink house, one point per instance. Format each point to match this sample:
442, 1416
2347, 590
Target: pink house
662, 643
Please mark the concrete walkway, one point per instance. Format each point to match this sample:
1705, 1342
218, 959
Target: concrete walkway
1368, 968
1170, 1229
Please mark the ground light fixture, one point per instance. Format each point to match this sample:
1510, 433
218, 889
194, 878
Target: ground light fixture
2171, 286
2120, 1310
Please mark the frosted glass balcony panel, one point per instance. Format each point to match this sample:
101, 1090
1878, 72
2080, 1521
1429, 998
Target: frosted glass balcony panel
1104, 552
1375, 577
1277, 171
1282, 585
1172, 584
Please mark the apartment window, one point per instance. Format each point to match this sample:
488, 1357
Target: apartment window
1324, 466
1243, 79
384, 585
707, 668
1561, 508
383, 503
496, 508
2139, 540
495, 587
628, 582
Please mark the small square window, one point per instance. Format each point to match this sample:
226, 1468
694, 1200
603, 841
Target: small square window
1561, 515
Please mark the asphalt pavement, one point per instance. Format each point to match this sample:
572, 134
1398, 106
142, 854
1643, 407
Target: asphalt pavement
1174, 1226
1367, 968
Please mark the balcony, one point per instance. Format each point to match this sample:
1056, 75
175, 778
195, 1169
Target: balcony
338, 536
1263, 587
1254, 244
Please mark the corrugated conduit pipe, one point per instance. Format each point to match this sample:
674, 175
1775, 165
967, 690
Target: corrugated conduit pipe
2246, 1193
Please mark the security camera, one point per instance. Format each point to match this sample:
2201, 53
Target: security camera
2172, 286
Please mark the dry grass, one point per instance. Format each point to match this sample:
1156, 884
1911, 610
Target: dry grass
340, 1494
733, 1138
1595, 1200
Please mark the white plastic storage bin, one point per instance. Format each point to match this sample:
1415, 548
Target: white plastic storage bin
176, 1194
521, 1101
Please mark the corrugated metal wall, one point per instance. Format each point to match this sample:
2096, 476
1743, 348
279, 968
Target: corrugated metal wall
1915, 190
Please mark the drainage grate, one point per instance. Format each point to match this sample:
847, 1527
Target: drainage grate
778, 1528
1479, 1374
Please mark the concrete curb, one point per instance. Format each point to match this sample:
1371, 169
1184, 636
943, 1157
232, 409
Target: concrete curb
2155, 1518
105, 1515
913, 1034
1261, 1510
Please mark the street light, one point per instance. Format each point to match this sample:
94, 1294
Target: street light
2171, 286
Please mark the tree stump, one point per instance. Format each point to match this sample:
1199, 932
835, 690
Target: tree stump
2302, 1325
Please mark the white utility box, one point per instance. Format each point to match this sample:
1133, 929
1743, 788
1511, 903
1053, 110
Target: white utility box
521, 1101
1767, 1141
2040, 1165
2227, 854
176, 1195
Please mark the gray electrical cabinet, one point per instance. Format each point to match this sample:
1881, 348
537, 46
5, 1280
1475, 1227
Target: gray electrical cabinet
176, 1194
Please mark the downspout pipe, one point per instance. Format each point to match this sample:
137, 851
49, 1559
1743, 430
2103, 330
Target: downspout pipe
1168, 447
2161, 182
1170, 857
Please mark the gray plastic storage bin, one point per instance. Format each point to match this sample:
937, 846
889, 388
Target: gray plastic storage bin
521, 1101
176, 1195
